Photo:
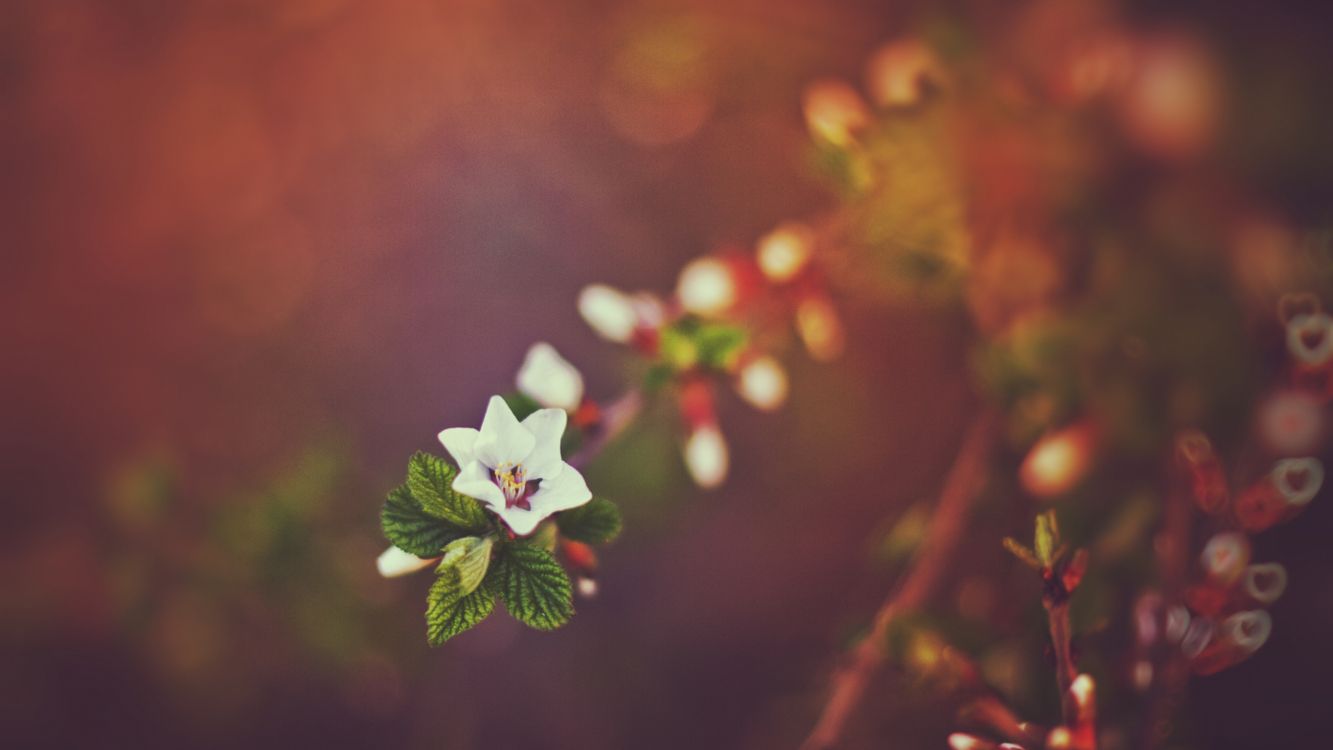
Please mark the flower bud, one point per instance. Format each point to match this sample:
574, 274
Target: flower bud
1264, 582
1248, 630
1058, 461
549, 379
763, 382
707, 286
834, 112
1290, 422
1197, 636
898, 70
609, 312
820, 328
785, 251
706, 456
1298, 479
1310, 338
961, 741
394, 562
587, 587
1177, 623
1225, 556
1284, 493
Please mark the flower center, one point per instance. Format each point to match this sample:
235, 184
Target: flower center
510, 479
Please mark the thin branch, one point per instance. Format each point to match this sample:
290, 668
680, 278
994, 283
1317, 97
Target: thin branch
1057, 614
937, 549
616, 417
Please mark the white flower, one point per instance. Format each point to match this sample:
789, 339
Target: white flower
706, 456
395, 562
515, 468
549, 379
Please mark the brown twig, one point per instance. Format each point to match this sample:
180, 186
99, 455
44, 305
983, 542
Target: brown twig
945, 529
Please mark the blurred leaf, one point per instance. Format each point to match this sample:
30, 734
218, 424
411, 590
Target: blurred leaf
1022, 553
450, 611
430, 479
595, 522
1047, 538
521, 404
535, 589
408, 527
719, 344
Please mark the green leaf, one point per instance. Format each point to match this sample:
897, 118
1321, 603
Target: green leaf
536, 590
470, 556
595, 522
430, 478
450, 611
410, 529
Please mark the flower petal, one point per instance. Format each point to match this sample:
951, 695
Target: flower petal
521, 522
565, 490
549, 378
461, 443
503, 439
474, 480
546, 426
394, 562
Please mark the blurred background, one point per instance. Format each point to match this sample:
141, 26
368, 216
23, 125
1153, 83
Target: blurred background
260, 252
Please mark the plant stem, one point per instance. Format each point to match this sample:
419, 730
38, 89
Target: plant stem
616, 417
1058, 617
943, 534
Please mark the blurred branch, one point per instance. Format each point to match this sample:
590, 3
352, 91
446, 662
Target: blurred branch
1172, 547
1057, 615
943, 534
617, 416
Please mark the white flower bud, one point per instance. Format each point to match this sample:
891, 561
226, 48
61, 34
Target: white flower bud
763, 382
549, 379
784, 252
395, 562
706, 456
608, 311
706, 286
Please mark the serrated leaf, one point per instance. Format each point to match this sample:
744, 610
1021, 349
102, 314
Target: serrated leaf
410, 529
470, 556
595, 522
430, 478
449, 611
535, 589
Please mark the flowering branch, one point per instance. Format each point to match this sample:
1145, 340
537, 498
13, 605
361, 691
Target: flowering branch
945, 529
